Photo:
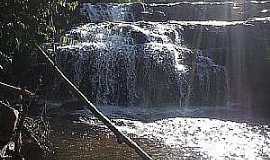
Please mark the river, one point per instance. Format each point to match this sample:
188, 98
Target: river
185, 80
165, 133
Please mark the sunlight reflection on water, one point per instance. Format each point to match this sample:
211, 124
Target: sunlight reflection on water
174, 133
215, 139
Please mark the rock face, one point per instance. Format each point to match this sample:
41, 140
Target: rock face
243, 49
177, 11
186, 53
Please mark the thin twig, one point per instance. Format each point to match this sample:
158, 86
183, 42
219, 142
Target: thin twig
16, 90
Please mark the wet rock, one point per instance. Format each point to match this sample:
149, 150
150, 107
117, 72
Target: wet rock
243, 49
154, 16
139, 9
178, 11
139, 37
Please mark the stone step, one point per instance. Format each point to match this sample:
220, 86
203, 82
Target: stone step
180, 11
227, 11
220, 34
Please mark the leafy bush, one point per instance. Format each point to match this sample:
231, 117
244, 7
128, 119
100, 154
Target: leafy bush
26, 22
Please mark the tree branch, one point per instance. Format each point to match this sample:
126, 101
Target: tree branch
95, 111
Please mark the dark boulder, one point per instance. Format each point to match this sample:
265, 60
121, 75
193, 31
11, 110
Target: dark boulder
8, 121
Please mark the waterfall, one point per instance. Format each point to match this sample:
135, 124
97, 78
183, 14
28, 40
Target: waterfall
107, 12
120, 61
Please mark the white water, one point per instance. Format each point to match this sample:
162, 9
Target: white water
155, 45
192, 131
208, 132
108, 12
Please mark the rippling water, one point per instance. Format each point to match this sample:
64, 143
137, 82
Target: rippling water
213, 139
167, 133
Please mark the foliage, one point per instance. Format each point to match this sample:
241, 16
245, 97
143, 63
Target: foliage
26, 22
114, 1
31, 20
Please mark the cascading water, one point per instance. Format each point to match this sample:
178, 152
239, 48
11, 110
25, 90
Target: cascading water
140, 63
157, 70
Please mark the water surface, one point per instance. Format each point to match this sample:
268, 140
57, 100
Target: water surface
166, 133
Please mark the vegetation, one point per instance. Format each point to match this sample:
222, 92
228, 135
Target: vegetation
25, 22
